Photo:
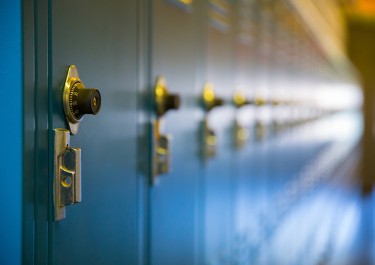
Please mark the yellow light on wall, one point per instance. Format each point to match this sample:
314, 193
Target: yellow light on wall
186, 2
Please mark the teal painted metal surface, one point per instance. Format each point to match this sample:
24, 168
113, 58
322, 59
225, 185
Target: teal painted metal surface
11, 133
101, 39
174, 200
226, 210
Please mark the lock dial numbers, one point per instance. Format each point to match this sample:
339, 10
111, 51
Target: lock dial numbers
73, 101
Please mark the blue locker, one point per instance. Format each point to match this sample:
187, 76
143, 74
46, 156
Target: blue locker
174, 198
219, 171
269, 198
101, 39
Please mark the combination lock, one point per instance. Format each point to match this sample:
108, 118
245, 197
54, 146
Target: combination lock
83, 101
165, 100
78, 100
210, 99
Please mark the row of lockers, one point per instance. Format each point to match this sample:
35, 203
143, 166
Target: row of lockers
241, 206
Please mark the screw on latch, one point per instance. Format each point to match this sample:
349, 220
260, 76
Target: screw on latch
67, 182
211, 139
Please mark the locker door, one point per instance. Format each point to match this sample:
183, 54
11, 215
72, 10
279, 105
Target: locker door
173, 200
100, 38
219, 171
247, 185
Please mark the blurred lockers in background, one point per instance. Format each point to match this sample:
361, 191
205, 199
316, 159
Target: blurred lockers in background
308, 198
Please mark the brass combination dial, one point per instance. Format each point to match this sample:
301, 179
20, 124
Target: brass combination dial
165, 100
78, 100
210, 99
